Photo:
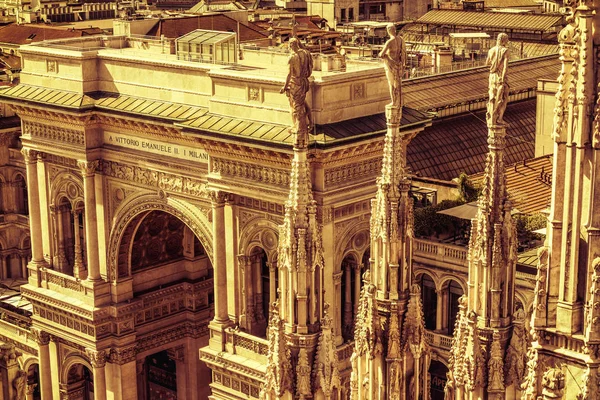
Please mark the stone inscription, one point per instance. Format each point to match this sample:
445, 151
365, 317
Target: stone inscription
152, 146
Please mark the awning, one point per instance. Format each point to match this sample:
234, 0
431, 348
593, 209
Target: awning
464, 211
467, 211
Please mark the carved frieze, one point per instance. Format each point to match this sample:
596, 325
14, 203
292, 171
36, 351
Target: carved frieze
54, 133
253, 172
147, 177
343, 174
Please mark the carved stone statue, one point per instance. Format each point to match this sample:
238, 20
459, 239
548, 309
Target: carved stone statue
497, 60
20, 385
296, 85
394, 58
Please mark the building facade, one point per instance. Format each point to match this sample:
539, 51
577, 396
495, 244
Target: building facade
155, 221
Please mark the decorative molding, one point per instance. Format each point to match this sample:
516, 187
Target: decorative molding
152, 178
253, 172
53, 133
97, 358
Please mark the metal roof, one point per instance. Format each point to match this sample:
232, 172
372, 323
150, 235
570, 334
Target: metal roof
200, 36
459, 144
437, 92
150, 108
529, 183
38, 94
199, 119
323, 134
495, 20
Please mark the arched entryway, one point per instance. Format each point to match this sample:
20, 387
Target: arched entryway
161, 377
351, 285
33, 382
79, 384
430, 300
437, 376
260, 280
157, 248
451, 292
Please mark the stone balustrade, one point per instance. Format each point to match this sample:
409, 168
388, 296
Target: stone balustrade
438, 340
440, 254
246, 345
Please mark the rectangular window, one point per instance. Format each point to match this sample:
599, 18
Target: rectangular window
351, 14
343, 11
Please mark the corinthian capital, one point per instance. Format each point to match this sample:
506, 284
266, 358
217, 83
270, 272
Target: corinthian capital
88, 168
30, 155
218, 197
97, 358
39, 336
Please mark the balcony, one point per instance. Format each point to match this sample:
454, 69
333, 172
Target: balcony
438, 340
246, 345
440, 254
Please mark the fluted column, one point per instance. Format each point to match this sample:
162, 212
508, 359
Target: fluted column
35, 221
43, 341
219, 257
88, 170
98, 361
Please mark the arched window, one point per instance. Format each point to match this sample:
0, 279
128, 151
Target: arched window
453, 291
21, 201
80, 383
260, 281
429, 299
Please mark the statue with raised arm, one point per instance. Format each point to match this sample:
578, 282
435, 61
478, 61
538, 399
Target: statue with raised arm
296, 86
394, 58
497, 60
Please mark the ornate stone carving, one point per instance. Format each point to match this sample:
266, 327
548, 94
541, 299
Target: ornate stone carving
303, 372
162, 180
326, 360
19, 384
553, 383
53, 133
592, 323
515, 366
394, 58
467, 359
29, 155
251, 171
121, 355
496, 366
278, 377
541, 294
40, 337
88, 168
413, 336
97, 358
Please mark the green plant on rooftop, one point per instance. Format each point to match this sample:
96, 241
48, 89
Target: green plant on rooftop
429, 223
467, 190
526, 225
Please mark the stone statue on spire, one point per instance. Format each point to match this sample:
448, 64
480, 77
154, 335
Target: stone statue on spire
497, 60
300, 66
394, 58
